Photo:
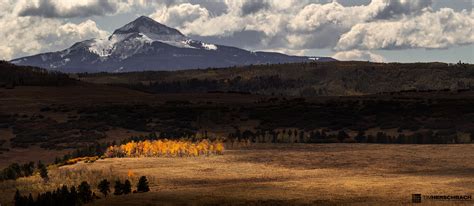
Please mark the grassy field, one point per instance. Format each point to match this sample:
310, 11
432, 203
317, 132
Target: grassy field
364, 174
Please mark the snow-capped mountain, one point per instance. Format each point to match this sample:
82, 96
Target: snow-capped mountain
145, 44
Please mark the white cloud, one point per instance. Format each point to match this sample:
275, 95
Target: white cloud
31, 35
359, 55
382, 24
181, 15
433, 30
27, 35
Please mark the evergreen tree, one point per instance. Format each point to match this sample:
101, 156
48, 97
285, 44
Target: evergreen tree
142, 185
361, 137
16, 169
9, 174
118, 188
301, 136
342, 135
27, 169
104, 187
48, 198
43, 171
73, 197
127, 187
19, 200
64, 194
30, 201
84, 192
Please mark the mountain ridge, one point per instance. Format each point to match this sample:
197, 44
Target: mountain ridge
145, 44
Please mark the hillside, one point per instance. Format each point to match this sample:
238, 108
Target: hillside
12, 75
311, 79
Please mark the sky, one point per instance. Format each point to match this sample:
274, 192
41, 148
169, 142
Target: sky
372, 30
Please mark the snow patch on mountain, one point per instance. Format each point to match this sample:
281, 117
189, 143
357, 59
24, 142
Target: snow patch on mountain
107, 47
208, 46
104, 47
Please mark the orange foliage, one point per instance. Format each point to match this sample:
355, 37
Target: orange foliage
166, 148
130, 174
78, 159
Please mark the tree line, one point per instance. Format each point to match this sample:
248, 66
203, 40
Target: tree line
12, 75
341, 136
169, 148
81, 195
15, 171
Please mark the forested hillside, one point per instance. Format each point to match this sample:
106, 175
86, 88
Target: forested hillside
301, 79
12, 75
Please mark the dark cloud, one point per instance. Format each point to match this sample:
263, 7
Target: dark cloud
323, 37
48, 9
396, 8
253, 6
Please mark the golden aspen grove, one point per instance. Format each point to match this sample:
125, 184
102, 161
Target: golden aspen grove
166, 148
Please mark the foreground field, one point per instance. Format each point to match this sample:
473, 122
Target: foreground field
281, 174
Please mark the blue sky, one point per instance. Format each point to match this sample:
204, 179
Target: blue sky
375, 30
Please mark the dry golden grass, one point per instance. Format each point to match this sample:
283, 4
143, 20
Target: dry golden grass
364, 174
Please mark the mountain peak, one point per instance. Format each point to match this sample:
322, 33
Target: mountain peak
147, 25
145, 44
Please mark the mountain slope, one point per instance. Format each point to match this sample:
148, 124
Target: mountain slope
145, 44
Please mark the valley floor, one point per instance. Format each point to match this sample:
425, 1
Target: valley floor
281, 174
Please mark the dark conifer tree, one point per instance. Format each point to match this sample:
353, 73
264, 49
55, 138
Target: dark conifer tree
142, 185
48, 198
43, 171
31, 201
16, 169
127, 187
342, 135
19, 200
118, 188
84, 192
65, 195
28, 168
104, 187
73, 197
301, 136
361, 137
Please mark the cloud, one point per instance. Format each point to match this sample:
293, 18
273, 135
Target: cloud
432, 30
359, 55
30, 35
67, 9
253, 6
181, 15
85, 8
305, 25
392, 8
